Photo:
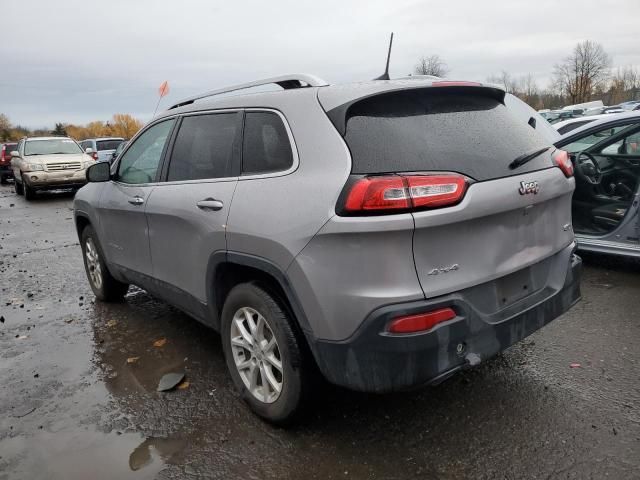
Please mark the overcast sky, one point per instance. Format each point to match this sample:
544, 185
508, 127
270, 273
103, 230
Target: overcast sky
74, 61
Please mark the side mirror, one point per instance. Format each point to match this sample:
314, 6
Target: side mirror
15, 154
88, 150
99, 172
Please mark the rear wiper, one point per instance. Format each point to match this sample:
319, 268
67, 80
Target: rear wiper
522, 159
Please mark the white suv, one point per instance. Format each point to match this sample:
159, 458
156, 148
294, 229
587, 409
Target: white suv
46, 163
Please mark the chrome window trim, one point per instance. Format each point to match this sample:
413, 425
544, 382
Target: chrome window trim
116, 165
281, 173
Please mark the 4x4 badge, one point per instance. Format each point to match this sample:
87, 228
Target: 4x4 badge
529, 187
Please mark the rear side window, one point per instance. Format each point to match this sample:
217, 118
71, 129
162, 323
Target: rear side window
467, 132
204, 147
108, 144
572, 126
265, 147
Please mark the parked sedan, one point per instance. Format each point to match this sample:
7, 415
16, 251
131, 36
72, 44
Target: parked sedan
606, 158
46, 163
566, 126
5, 161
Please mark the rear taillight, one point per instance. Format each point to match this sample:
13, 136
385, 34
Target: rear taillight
563, 161
420, 322
94, 155
400, 193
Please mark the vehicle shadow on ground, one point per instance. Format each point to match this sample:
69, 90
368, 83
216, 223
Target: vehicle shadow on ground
611, 262
496, 406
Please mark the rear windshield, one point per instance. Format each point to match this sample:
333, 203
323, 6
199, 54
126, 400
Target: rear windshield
108, 144
425, 130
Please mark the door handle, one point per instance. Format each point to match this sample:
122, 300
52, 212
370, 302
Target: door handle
136, 200
210, 204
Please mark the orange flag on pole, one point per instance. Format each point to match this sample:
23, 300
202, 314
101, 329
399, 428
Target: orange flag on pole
163, 90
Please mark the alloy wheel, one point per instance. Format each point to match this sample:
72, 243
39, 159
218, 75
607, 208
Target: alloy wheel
93, 263
256, 355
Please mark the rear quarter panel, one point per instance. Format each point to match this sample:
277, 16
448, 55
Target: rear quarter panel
276, 216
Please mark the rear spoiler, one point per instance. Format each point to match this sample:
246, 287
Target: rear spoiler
339, 114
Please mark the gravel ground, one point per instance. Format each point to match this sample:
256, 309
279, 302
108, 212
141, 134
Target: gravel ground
76, 402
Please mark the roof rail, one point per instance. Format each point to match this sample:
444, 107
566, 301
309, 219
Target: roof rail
298, 80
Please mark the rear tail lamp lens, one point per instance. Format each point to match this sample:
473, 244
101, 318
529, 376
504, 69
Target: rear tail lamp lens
395, 193
563, 161
436, 191
94, 155
378, 193
420, 322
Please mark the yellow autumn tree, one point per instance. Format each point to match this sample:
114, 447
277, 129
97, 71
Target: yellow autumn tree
124, 125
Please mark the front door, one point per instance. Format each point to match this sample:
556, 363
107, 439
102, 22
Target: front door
122, 205
187, 213
607, 183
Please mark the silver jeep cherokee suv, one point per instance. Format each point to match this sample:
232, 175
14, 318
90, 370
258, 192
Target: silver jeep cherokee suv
387, 233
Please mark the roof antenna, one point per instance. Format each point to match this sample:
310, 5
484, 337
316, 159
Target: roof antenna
385, 75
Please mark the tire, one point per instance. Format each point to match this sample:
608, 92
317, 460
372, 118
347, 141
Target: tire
248, 301
104, 286
29, 193
3, 180
19, 188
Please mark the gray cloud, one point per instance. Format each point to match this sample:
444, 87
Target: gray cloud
85, 60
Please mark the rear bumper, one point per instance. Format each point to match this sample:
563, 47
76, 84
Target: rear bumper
6, 171
374, 361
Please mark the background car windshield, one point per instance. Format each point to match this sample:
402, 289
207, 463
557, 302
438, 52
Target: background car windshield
51, 147
108, 144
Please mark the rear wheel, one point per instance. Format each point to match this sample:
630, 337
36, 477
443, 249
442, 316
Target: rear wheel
3, 179
18, 187
104, 286
263, 355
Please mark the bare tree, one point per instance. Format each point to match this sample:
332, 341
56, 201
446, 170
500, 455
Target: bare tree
505, 80
582, 72
432, 65
624, 85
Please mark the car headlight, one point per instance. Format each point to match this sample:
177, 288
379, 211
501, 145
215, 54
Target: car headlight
33, 167
87, 163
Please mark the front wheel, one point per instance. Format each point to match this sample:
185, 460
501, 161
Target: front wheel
263, 355
29, 193
104, 286
18, 187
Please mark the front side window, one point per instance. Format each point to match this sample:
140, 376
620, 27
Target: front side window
204, 147
628, 146
51, 147
265, 147
140, 162
590, 140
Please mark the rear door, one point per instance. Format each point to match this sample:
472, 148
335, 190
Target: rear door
122, 205
510, 217
188, 212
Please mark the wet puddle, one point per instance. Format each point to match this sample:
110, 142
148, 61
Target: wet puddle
87, 455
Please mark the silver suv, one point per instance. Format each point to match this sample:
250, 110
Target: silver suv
386, 234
